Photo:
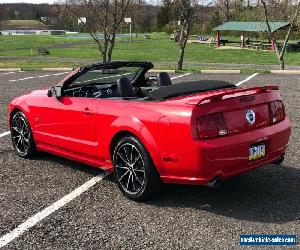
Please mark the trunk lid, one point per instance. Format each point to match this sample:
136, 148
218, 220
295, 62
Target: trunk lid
241, 109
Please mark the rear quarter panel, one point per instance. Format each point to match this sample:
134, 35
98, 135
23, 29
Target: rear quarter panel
162, 128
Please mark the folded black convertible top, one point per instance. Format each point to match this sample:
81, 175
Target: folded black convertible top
166, 92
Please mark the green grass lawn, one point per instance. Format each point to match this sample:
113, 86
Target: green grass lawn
31, 42
158, 49
35, 64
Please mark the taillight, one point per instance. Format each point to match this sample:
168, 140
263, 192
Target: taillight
210, 126
277, 112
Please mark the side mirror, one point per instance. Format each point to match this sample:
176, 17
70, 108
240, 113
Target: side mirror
49, 93
55, 91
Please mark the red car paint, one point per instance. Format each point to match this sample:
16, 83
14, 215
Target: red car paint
83, 129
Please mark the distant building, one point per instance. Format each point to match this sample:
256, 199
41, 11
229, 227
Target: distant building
32, 32
50, 32
27, 27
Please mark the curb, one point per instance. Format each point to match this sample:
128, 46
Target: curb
161, 70
286, 72
57, 69
204, 71
10, 69
221, 71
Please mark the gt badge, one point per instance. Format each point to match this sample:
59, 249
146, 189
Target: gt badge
250, 117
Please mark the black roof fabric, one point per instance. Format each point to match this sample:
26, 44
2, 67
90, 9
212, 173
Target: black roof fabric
117, 64
166, 92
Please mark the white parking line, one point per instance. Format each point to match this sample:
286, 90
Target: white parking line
42, 76
8, 73
175, 77
246, 80
33, 220
5, 133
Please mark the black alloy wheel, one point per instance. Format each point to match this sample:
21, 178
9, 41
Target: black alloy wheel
21, 135
134, 171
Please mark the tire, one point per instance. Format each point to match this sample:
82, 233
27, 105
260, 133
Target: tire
134, 170
21, 135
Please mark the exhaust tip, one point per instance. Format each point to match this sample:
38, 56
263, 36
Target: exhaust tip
214, 183
278, 161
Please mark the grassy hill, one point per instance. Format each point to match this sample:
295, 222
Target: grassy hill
23, 24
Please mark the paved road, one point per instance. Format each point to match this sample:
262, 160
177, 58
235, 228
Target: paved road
179, 217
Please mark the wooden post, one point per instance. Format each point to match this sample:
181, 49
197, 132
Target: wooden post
273, 44
218, 39
130, 32
243, 40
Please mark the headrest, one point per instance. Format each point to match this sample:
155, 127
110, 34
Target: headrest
124, 87
163, 79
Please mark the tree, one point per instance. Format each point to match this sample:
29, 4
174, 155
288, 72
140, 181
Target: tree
184, 12
224, 8
1, 17
280, 51
143, 14
106, 17
165, 13
64, 19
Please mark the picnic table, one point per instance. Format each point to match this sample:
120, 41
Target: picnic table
259, 45
255, 45
266, 46
223, 41
43, 51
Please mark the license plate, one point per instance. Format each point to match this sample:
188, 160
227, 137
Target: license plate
257, 151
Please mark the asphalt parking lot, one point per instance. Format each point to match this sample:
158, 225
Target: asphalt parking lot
265, 201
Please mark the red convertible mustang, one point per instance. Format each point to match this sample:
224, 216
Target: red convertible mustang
147, 130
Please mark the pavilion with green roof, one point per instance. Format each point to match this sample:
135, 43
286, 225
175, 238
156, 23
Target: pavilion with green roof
249, 27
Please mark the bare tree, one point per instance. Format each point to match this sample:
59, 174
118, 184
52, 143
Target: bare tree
224, 8
280, 51
106, 17
184, 12
1, 16
144, 15
227, 10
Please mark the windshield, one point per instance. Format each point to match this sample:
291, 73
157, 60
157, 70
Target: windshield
106, 76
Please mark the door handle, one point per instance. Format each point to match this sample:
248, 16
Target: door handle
87, 111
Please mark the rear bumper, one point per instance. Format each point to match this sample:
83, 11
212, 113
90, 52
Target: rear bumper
226, 157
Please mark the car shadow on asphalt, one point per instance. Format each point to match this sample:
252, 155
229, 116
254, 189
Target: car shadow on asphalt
270, 194
43, 156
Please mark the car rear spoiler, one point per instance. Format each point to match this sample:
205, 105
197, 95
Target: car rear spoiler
234, 93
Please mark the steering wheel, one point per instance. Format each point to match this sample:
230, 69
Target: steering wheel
136, 90
87, 90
